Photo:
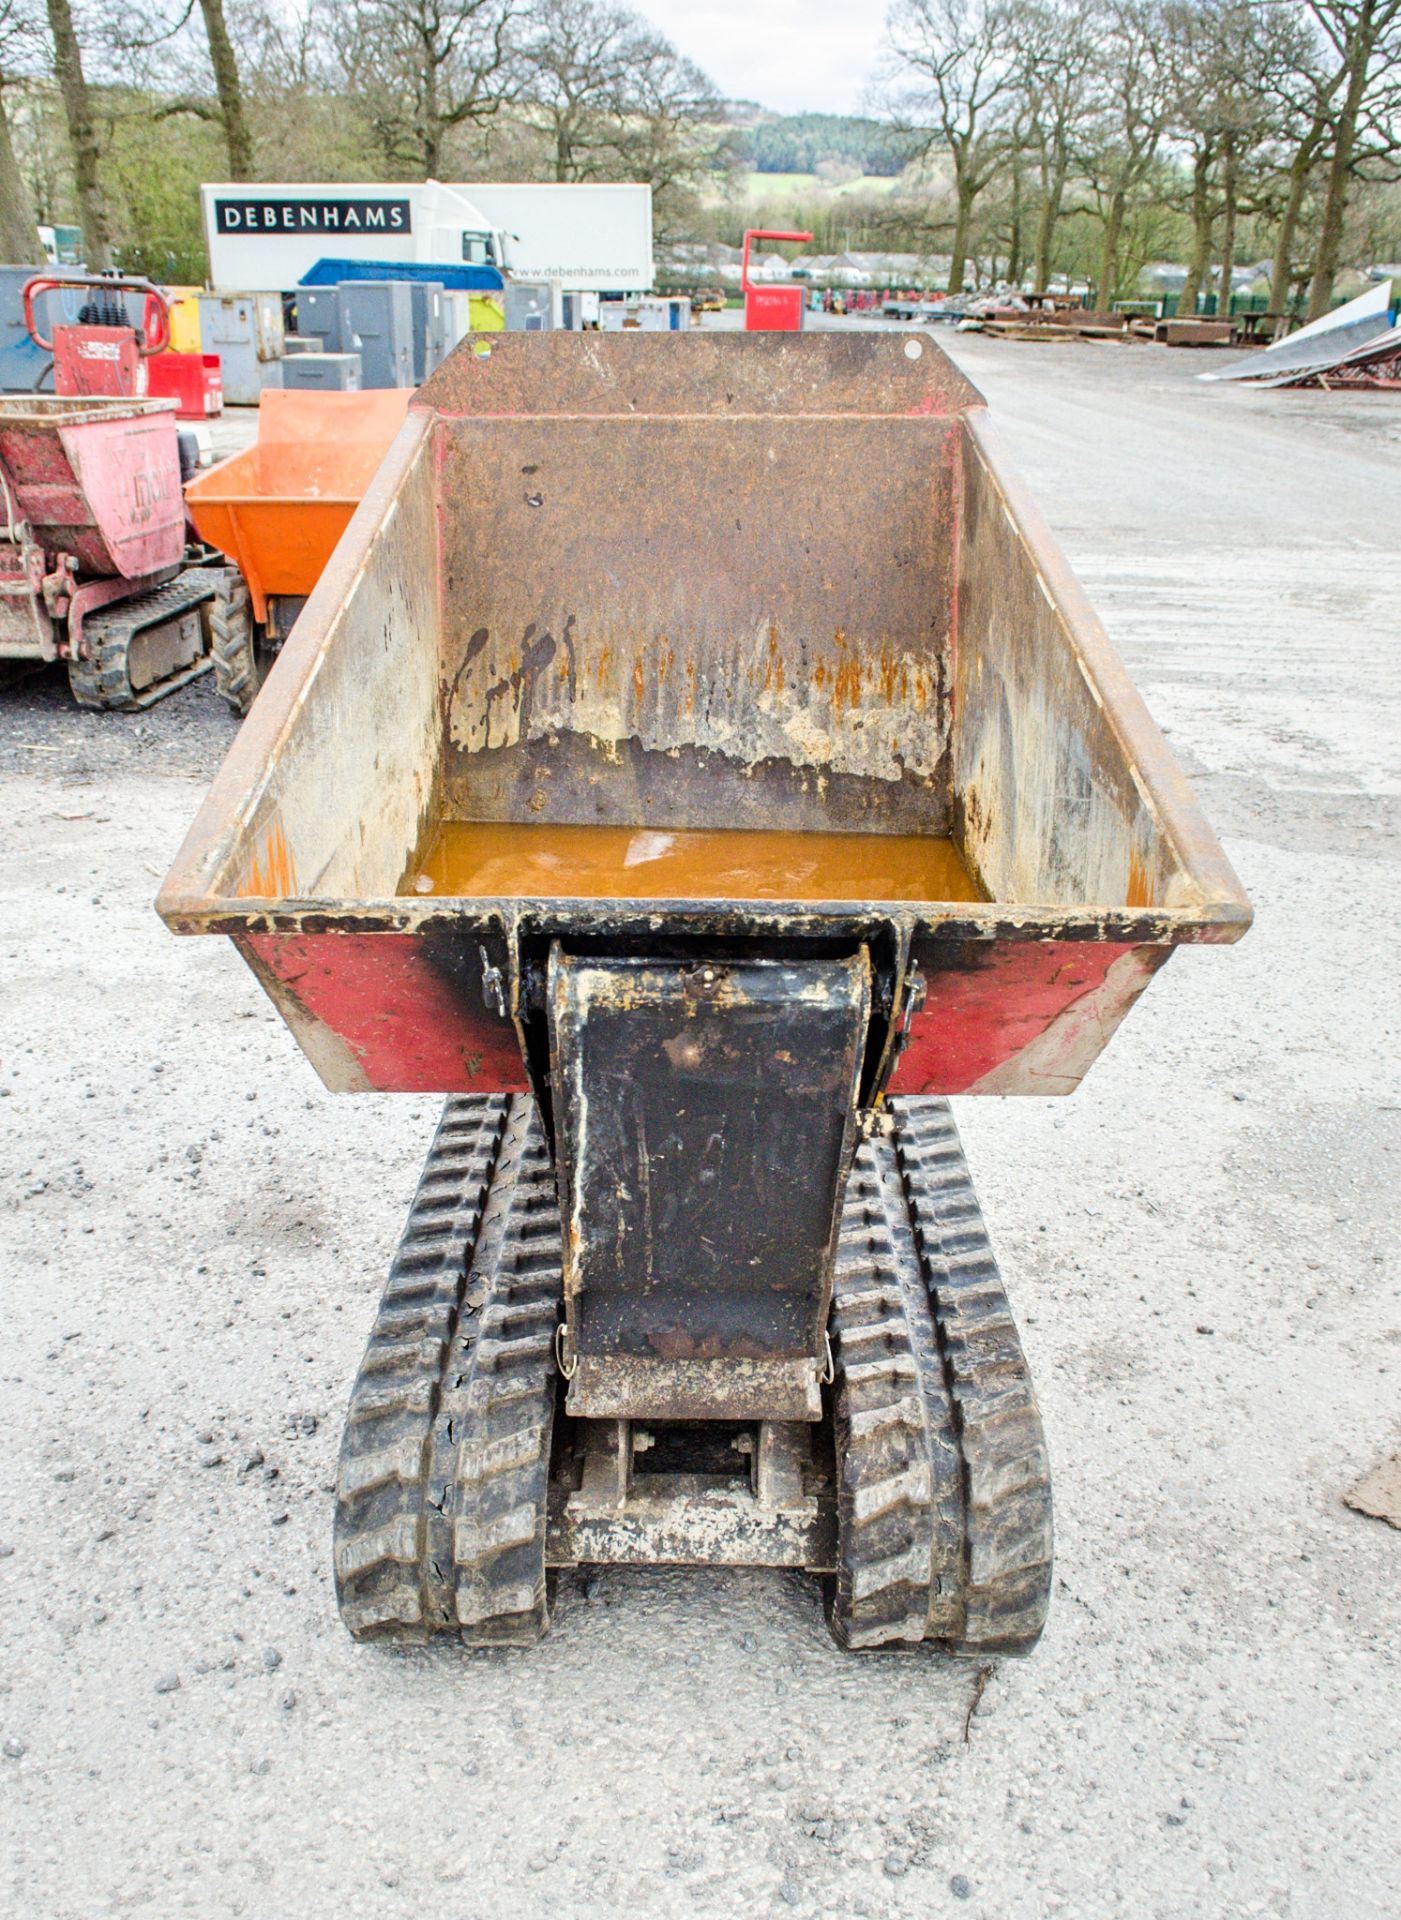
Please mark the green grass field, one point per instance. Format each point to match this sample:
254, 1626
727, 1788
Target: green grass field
807, 186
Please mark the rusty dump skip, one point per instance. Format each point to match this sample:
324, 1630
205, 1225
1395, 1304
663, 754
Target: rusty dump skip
708, 581
770, 584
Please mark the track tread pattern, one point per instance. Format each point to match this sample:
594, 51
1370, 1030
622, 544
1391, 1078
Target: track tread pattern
103, 679
900, 1518
232, 644
444, 1469
489, 1478
944, 1501
385, 1584
1006, 1472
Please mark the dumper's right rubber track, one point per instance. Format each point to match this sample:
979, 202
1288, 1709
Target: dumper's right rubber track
944, 1497
440, 1509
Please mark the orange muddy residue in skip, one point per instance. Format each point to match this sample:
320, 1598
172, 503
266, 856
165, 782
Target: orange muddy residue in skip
494, 860
1140, 892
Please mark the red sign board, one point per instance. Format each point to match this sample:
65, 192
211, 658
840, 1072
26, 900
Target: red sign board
773, 309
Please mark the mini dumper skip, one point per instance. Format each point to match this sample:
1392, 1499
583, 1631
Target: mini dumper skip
95, 569
697, 762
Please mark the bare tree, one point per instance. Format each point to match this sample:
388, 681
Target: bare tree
669, 134
20, 45
578, 54
614, 99
1365, 38
1225, 58
82, 135
156, 52
1306, 95
1054, 59
952, 80
1133, 99
420, 69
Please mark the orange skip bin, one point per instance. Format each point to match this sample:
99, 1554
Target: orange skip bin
279, 507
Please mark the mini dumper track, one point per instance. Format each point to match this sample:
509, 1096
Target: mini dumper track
697, 763
926, 1502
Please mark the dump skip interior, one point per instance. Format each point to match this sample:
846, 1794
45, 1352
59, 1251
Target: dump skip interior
625, 624
696, 658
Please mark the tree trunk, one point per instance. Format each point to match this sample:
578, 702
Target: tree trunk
958, 252
19, 238
1202, 223
82, 135
1280, 269
1228, 231
1109, 250
237, 138
1330, 237
1046, 227
1014, 238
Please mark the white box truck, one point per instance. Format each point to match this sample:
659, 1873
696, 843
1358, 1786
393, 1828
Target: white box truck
582, 237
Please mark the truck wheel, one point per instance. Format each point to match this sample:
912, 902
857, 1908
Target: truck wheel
232, 643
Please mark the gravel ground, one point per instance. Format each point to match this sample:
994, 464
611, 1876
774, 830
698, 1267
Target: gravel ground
1201, 1245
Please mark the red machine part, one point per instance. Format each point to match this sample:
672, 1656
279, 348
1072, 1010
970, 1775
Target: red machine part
770, 309
193, 380
101, 361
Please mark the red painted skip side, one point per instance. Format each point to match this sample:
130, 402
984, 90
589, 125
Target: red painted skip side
975, 1021
409, 1032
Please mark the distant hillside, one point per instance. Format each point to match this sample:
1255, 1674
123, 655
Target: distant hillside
805, 142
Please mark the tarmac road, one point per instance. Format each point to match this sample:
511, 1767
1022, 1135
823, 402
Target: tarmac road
1201, 1246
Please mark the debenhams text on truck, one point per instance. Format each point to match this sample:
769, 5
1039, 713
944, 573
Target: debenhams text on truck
312, 216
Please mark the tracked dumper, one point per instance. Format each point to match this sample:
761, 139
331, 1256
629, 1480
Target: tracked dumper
94, 568
697, 762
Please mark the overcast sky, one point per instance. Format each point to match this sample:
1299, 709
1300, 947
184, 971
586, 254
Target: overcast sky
788, 54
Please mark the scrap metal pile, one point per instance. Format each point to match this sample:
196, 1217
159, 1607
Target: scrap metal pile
1358, 346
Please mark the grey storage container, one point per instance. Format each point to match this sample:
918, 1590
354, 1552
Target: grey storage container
429, 326
304, 343
376, 321
318, 316
329, 372
457, 316
24, 368
245, 330
527, 306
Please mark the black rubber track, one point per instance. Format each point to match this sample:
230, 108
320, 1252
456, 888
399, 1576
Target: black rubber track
386, 1585
943, 1489
944, 1500
440, 1512
489, 1480
103, 680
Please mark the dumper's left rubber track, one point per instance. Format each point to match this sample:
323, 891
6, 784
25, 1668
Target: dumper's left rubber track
944, 1493
440, 1510
103, 679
